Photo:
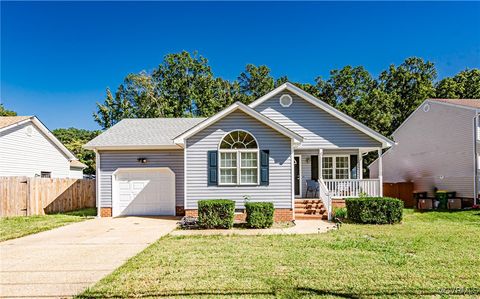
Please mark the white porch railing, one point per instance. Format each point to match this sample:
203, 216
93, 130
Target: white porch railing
324, 194
353, 188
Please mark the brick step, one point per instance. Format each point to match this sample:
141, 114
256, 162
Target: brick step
309, 211
308, 201
313, 206
310, 217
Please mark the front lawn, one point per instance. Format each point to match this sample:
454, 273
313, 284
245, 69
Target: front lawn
429, 254
16, 227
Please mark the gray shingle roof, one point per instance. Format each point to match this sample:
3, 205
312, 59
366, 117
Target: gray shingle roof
144, 132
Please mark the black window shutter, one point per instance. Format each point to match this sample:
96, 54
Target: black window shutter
264, 167
314, 160
212, 168
354, 166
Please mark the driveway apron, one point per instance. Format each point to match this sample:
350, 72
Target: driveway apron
62, 262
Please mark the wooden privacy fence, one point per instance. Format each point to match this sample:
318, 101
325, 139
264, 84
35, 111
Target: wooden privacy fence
403, 191
22, 196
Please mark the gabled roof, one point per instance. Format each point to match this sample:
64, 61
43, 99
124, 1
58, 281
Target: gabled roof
471, 104
77, 164
143, 133
8, 122
468, 103
324, 106
180, 140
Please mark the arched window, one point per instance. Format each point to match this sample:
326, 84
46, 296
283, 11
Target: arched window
238, 155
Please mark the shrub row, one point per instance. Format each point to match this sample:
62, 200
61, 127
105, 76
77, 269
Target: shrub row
220, 213
374, 210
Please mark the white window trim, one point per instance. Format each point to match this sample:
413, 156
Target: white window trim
238, 167
334, 166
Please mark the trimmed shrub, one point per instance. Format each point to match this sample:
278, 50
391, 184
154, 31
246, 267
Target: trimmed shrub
374, 210
259, 214
216, 213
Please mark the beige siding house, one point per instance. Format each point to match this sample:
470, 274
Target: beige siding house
436, 147
28, 148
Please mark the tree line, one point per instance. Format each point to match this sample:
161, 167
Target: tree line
184, 85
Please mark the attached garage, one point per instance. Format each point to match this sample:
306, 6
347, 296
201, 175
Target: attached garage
143, 192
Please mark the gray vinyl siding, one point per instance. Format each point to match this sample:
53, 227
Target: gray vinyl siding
112, 160
317, 127
434, 149
279, 190
28, 155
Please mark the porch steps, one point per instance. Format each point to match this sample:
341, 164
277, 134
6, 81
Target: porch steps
309, 209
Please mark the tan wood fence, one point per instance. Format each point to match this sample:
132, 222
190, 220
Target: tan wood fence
403, 191
22, 196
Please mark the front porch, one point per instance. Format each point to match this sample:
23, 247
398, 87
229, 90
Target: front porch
324, 176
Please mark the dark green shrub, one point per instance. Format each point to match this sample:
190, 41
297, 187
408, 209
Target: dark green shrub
374, 210
216, 213
259, 214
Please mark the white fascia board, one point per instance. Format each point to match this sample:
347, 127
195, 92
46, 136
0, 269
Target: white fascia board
132, 147
180, 140
329, 109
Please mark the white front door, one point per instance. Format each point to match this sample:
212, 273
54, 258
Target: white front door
144, 192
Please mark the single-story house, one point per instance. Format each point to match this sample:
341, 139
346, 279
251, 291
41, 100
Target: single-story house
436, 147
28, 148
269, 151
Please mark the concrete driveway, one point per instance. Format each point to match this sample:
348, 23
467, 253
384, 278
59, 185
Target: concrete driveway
64, 261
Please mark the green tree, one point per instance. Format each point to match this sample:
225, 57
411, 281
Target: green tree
409, 84
464, 85
74, 139
6, 112
254, 82
113, 109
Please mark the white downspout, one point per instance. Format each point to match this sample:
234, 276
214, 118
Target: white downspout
475, 158
380, 172
97, 182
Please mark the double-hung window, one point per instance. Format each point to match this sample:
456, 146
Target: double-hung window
238, 155
335, 167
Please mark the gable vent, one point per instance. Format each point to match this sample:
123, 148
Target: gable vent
286, 100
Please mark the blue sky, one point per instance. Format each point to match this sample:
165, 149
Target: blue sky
58, 58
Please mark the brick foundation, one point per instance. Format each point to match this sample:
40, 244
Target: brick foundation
105, 212
283, 215
338, 203
191, 213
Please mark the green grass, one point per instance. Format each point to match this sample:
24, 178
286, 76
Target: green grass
16, 227
428, 255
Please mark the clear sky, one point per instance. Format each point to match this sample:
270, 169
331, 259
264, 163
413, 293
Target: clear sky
58, 58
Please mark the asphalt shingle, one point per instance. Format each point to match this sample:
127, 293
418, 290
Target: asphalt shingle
144, 132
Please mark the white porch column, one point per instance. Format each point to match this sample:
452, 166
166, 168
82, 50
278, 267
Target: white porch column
380, 170
360, 162
320, 163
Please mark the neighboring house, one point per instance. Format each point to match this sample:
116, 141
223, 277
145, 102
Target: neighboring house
28, 148
437, 146
266, 151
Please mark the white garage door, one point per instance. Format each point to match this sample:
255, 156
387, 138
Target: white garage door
144, 192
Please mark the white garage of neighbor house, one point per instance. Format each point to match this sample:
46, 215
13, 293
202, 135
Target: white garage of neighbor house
276, 150
28, 148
